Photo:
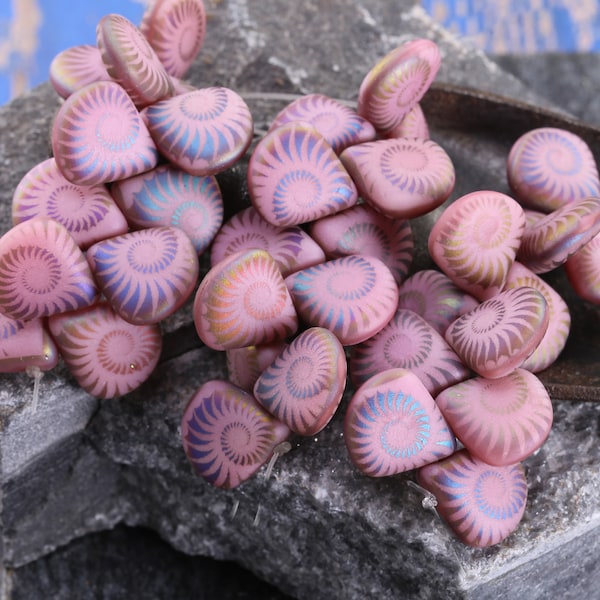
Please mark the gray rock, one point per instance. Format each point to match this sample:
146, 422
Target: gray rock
316, 528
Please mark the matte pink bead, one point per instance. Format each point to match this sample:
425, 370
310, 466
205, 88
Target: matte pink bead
291, 247
497, 336
168, 196
108, 356
304, 385
433, 296
337, 123
204, 131
408, 342
98, 136
402, 178
244, 365
243, 301
500, 421
25, 344
397, 82
42, 271
559, 318
176, 30
294, 177
76, 67
353, 296
482, 504
227, 436
413, 125
475, 241
549, 242
549, 167
131, 61
393, 425
583, 271
146, 275
362, 230
88, 212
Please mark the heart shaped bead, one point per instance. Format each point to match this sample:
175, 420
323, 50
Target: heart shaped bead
397, 82
170, 197
131, 61
550, 167
291, 247
176, 30
88, 212
434, 297
294, 177
481, 503
243, 301
98, 136
304, 385
204, 131
108, 356
42, 271
353, 296
583, 271
146, 275
550, 241
76, 67
227, 436
362, 230
393, 425
475, 241
337, 123
500, 421
401, 178
413, 125
559, 318
408, 342
244, 365
497, 336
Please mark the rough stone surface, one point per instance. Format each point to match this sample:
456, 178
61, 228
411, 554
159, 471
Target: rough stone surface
316, 528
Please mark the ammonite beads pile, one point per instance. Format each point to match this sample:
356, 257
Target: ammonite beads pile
311, 285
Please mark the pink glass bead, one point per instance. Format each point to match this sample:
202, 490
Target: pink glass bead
25, 344
243, 301
481, 503
98, 136
108, 356
353, 296
583, 271
397, 82
434, 297
202, 132
227, 436
559, 318
294, 177
337, 123
176, 30
413, 125
500, 421
167, 196
532, 216
497, 336
244, 365
362, 230
291, 247
549, 167
304, 385
145, 275
131, 61
475, 241
88, 212
42, 271
76, 67
393, 425
401, 178
549, 242
408, 342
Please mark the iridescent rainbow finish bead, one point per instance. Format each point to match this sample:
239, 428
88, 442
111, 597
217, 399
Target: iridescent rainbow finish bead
413, 125
583, 271
244, 365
